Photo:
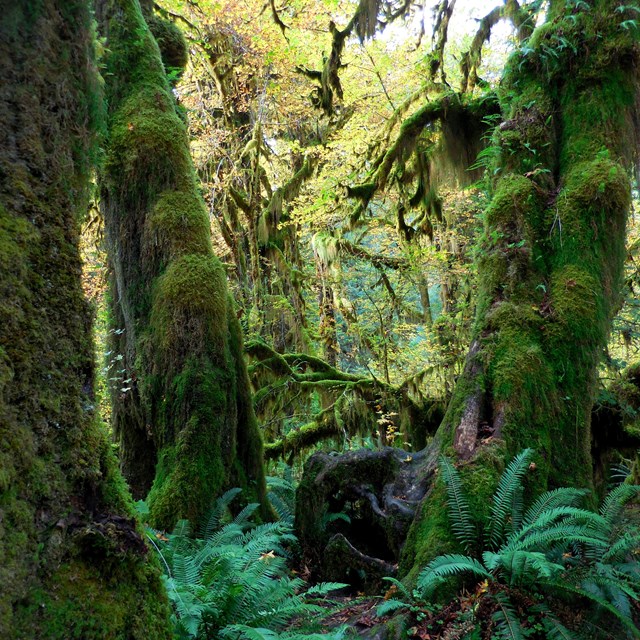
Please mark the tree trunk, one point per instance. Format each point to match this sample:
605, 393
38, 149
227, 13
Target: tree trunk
549, 270
180, 339
73, 561
550, 266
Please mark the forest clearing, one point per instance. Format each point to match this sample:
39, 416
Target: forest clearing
319, 319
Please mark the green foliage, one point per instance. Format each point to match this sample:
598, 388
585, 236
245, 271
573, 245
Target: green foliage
461, 521
233, 581
554, 549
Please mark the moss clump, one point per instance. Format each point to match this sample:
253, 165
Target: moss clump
147, 126
77, 603
177, 221
190, 307
172, 44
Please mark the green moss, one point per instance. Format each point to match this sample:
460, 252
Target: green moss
58, 476
430, 534
181, 344
188, 477
76, 605
178, 221
512, 199
147, 126
172, 44
190, 307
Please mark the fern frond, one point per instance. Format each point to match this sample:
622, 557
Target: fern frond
182, 529
400, 587
446, 566
622, 547
588, 523
615, 501
389, 606
220, 509
517, 508
506, 619
281, 507
238, 631
555, 630
601, 602
459, 511
544, 539
323, 588
523, 565
550, 500
242, 519
510, 482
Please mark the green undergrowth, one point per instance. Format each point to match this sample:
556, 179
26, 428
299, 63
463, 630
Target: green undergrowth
230, 579
554, 570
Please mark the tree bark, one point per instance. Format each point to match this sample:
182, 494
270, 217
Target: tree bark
180, 338
73, 561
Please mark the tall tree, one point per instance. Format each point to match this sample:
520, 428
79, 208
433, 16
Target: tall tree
186, 428
73, 562
549, 272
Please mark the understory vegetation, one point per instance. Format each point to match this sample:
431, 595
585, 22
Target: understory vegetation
319, 319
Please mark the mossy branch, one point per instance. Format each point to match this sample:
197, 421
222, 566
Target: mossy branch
364, 22
471, 59
403, 145
308, 435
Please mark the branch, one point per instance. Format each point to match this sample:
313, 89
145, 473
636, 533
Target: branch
405, 141
306, 436
277, 19
521, 19
176, 16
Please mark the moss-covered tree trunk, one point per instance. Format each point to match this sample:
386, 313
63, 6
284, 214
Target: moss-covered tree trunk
186, 425
549, 265
73, 563
549, 280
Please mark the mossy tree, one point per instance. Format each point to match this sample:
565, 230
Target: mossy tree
73, 561
550, 260
186, 427
549, 263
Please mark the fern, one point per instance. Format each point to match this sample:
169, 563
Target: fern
552, 546
219, 511
389, 606
553, 628
508, 487
446, 566
459, 511
562, 497
616, 500
600, 602
506, 619
234, 582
